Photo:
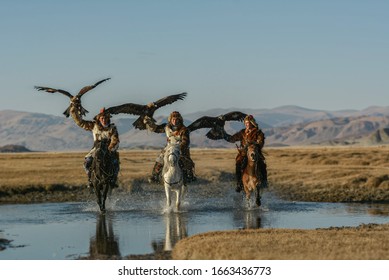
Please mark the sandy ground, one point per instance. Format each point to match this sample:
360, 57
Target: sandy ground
331, 174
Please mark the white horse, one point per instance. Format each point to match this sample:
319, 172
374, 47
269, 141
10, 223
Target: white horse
172, 175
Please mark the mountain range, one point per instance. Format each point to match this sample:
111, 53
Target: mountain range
283, 126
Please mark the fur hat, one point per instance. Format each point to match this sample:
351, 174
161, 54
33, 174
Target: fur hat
177, 115
250, 118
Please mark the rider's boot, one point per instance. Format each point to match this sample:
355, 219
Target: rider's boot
191, 175
238, 174
114, 183
188, 176
155, 175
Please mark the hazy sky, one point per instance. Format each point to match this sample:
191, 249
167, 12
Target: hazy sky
329, 54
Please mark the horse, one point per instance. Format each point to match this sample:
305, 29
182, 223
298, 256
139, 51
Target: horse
251, 178
102, 172
172, 175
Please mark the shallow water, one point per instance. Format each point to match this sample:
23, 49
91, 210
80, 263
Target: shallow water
139, 224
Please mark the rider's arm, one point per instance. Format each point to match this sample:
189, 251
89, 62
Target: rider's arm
75, 113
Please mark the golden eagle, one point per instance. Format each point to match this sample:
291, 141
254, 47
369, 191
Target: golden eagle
144, 110
84, 90
216, 124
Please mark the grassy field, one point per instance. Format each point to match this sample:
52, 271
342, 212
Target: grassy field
331, 174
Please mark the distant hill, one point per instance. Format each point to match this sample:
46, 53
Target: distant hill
283, 126
13, 149
380, 136
345, 130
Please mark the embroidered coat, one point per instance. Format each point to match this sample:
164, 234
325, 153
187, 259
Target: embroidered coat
99, 132
246, 137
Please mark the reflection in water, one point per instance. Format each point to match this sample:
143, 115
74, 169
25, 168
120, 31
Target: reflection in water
247, 219
104, 244
378, 210
175, 230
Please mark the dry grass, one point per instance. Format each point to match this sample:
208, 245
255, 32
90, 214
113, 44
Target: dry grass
366, 242
335, 174
331, 174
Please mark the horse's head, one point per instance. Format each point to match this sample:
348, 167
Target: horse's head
172, 154
252, 152
101, 145
102, 154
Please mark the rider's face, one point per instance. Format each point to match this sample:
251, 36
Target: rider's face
247, 124
174, 121
104, 120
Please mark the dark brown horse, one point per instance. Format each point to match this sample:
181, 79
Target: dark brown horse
102, 172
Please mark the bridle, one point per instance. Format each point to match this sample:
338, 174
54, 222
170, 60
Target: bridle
253, 156
176, 154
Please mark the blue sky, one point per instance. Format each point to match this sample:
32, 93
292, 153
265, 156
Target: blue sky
330, 54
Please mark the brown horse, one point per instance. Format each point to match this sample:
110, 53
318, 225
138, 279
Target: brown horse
251, 178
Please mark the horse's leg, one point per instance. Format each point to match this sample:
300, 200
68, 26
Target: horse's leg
167, 192
178, 199
183, 192
246, 185
105, 192
96, 187
258, 195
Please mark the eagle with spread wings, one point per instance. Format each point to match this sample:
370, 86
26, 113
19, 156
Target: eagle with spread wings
84, 90
216, 124
144, 111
